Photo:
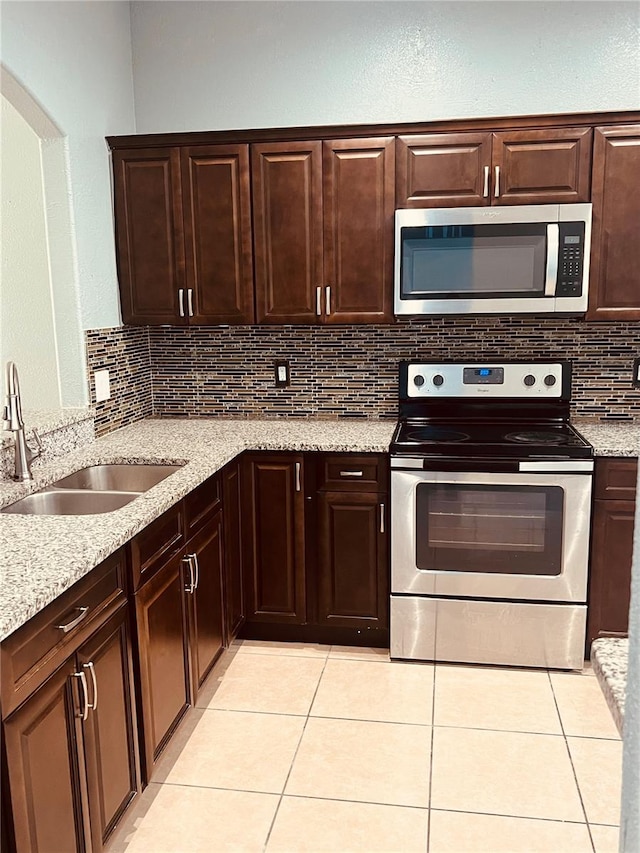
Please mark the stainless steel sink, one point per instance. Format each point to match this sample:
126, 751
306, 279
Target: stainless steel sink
117, 478
99, 488
68, 502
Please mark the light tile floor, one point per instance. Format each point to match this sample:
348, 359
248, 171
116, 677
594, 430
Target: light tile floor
314, 748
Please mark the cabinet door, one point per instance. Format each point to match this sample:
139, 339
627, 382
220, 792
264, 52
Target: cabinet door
547, 166
233, 586
217, 223
358, 204
610, 574
615, 248
204, 552
149, 235
110, 730
443, 170
353, 588
287, 226
273, 501
163, 650
48, 791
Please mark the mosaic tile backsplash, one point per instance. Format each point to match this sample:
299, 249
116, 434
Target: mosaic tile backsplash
124, 352
345, 371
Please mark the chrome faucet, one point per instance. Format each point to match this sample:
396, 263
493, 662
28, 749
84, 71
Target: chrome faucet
14, 423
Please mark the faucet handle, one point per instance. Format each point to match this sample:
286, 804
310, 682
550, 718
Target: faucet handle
33, 454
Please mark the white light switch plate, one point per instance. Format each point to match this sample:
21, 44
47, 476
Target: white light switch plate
102, 385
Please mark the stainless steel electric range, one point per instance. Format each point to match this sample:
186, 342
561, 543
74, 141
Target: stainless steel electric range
490, 516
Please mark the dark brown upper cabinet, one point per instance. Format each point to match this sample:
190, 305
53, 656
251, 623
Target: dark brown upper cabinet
323, 230
183, 234
538, 166
615, 247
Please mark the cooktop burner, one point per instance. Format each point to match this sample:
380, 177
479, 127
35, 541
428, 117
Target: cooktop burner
434, 435
537, 437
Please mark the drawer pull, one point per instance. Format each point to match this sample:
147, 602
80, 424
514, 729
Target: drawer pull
188, 560
352, 473
381, 518
193, 559
92, 670
298, 486
84, 712
71, 625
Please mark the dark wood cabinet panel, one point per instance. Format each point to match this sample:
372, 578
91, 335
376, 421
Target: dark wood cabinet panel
615, 248
149, 234
43, 744
163, 650
110, 730
287, 230
273, 508
616, 478
546, 166
443, 170
358, 206
217, 225
204, 552
233, 581
353, 565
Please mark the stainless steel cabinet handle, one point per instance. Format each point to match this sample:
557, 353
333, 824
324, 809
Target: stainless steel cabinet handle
551, 274
84, 713
190, 301
181, 301
71, 625
192, 583
327, 291
496, 189
92, 670
485, 191
194, 558
352, 473
318, 301
297, 477
381, 518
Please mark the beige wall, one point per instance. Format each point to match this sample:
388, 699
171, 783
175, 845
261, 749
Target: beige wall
27, 327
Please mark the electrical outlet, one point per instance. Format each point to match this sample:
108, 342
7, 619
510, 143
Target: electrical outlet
282, 374
102, 385
636, 373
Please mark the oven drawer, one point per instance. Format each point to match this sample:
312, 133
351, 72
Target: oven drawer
489, 632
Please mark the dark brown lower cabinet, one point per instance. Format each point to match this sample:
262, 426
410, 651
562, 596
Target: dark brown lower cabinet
163, 648
205, 558
614, 511
71, 748
353, 588
233, 581
273, 537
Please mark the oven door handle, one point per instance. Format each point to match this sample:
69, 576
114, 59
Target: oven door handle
464, 466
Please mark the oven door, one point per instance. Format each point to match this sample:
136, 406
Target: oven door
519, 536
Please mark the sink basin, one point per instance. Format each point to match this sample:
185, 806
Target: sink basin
117, 478
67, 502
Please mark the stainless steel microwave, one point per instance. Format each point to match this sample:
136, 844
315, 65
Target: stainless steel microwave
530, 259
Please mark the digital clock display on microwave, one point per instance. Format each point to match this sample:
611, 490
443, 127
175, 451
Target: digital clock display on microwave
483, 376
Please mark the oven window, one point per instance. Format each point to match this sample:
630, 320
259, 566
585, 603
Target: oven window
515, 530
473, 261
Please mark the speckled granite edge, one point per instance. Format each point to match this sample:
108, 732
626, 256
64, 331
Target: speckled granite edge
609, 656
621, 438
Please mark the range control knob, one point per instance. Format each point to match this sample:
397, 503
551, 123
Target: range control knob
418, 380
549, 380
529, 380
438, 380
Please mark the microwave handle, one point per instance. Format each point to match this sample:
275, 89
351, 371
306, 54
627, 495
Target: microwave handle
553, 244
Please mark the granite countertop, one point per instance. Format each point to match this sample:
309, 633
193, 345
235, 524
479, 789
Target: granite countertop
609, 657
44, 555
616, 438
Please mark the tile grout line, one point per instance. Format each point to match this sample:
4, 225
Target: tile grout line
304, 728
433, 731
573, 769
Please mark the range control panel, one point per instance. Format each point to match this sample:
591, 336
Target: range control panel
523, 380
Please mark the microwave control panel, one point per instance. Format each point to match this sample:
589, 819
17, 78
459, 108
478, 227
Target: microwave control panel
571, 259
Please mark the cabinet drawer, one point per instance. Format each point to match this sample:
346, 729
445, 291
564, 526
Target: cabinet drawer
201, 504
34, 651
615, 479
157, 543
353, 472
